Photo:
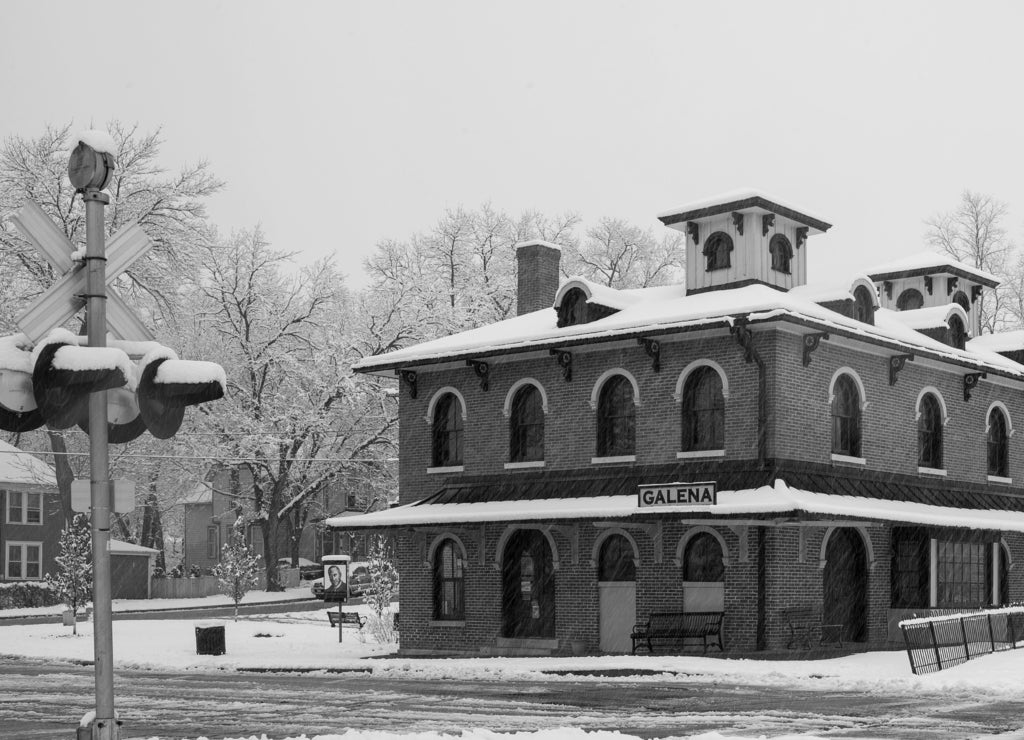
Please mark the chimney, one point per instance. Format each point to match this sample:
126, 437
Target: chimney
538, 275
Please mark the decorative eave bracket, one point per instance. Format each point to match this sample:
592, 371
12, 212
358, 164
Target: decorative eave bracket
887, 287
564, 358
976, 291
482, 371
970, 381
409, 378
693, 229
801, 236
951, 284
744, 338
928, 283
653, 349
811, 342
767, 222
896, 363
737, 222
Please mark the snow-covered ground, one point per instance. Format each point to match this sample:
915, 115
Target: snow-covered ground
304, 640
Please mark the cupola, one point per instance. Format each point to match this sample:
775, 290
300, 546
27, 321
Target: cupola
743, 237
927, 279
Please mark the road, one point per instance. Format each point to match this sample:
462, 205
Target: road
40, 701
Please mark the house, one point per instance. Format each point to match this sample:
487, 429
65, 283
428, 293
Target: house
746, 443
31, 517
211, 508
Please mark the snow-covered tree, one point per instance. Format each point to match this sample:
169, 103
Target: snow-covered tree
238, 567
295, 416
382, 587
73, 581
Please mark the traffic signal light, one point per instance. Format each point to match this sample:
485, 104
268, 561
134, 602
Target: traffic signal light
168, 385
65, 374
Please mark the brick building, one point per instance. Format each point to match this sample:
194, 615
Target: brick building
746, 442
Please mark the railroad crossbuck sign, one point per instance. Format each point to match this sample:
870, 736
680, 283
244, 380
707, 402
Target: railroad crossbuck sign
67, 296
677, 494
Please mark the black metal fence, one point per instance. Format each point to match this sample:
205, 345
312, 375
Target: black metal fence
938, 642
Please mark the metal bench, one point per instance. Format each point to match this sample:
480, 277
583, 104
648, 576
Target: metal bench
675, 628
801, 620
351, 618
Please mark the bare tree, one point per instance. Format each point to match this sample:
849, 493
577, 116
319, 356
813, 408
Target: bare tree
973, 233
621, 255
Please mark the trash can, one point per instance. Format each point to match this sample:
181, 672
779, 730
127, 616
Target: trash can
210, 639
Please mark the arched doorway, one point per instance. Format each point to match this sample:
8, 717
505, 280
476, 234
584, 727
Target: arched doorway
528, 586
616, 586
845, 584
703, 574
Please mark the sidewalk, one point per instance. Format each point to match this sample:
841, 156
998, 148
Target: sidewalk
121, 606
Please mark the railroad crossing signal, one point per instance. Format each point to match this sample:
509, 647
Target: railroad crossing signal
67, 296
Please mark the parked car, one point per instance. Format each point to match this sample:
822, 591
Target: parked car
308, 570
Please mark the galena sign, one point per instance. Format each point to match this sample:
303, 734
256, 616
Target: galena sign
675, 494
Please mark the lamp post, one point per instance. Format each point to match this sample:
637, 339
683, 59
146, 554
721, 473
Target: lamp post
90, 171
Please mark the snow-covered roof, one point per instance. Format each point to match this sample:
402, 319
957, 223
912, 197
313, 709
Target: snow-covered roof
930, 263
201, 494
740, 200
20, 467
932, 317
128, 548
615, 297
835, 289
664, 310
1003, 341
775, 499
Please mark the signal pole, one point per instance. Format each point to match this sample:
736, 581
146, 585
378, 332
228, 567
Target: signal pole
90, 171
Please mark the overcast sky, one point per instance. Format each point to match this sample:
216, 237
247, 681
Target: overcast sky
338, 124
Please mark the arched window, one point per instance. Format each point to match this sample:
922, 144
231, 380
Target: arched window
929, 433
703, 411
447, 432
909, 300
573, 308
449, 587
957, 332
863, 306
717, 250
846, 417
702, 559
526, 425
960, 299
616, 418
998, 445
616, 560
781, 251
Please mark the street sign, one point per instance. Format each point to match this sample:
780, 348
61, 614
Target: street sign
122, 495
67, 296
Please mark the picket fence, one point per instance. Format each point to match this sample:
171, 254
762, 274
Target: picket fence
194, 588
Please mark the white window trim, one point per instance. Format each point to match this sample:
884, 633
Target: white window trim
612, 459
24, 560
595, 392
695, 454
848, 459
847, 370
931, 471
506, 410
942, 404
429, 418
24, 508
677, 396
446, 469
1000, 479
1006, 415
524, 464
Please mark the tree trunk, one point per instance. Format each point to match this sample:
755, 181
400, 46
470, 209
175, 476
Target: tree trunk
270, 528
64, 473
